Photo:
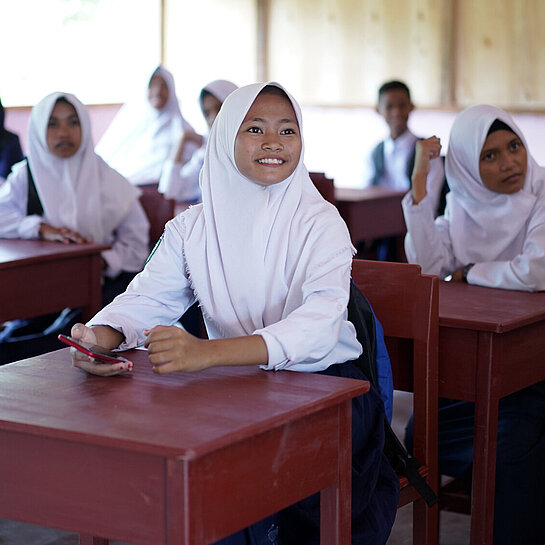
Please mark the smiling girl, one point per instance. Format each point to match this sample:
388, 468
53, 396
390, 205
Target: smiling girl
268, 260
493, 230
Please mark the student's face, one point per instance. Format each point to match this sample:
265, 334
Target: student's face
210, 106
63, 135
268, 143
503, 162
395, 106
158, 92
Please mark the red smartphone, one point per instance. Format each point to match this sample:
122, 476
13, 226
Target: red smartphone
102, 355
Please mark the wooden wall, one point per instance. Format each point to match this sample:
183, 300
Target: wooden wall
452, 53
500, 53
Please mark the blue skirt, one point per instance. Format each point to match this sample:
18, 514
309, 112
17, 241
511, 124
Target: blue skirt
375, 486
519, 501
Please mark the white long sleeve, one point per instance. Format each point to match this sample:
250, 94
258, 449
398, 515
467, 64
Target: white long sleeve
397, 155
427, 242
181, 181
14, 223
521, 267
129, 240
524, 267
129, 243
161, 293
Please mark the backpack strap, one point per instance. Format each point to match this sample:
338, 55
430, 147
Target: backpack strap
443, 195
410, 166
34, 204
377, 158
361, 315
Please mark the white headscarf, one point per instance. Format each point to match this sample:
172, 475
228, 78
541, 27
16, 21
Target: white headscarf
80, 192
220, 88
482, 222
249, 247
140, 138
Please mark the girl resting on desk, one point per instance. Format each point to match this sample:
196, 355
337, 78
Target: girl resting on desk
493, 230
180, 175
268, 260
145, 131
63, 191
492, 234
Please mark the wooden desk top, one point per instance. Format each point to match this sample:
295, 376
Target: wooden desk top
488, 309
17, 252
182, 414
344, 194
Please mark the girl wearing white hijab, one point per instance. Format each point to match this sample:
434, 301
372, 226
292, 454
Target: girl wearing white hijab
268, 260
493, 230
65, 192
142, 135
492, 234
179, 180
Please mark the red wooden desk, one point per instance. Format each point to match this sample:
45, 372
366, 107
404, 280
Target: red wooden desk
177, 459
491, 344
38, 277
370, 213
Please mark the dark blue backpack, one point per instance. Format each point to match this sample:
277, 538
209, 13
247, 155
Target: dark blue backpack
373, 363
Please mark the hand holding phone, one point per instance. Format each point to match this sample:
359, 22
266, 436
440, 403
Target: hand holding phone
100, 354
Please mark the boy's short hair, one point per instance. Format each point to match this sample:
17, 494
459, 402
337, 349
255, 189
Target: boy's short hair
391, 85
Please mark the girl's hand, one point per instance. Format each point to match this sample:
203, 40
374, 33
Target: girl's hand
62, 234
192, 136
426, 150
81, 332
456, 276
188, 136
172, 348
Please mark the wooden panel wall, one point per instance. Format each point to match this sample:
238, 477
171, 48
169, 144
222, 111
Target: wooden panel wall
338, 52
206, 40
451, 52
500, 53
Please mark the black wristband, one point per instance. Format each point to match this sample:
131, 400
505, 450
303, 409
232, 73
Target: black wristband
465, 271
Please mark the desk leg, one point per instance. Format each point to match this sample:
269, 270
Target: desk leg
484, 445
335, 500
90, 540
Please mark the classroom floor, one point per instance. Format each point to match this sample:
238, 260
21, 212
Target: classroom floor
454, 528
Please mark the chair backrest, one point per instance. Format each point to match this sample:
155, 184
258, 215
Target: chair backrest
406, 302
158, 209
324, 185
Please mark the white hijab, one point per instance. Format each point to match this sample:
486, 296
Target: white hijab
80, 192
140, 138
220, 88
484, 223
249, 248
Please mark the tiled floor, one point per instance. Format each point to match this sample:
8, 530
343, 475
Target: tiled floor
454, 529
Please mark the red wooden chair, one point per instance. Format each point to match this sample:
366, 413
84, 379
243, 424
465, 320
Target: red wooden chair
158, 209
406, 304
324, 185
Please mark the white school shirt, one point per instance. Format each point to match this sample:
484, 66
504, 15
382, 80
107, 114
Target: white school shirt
397, 154
140, 138
162, 292
180, 181
521, 266
129, 240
